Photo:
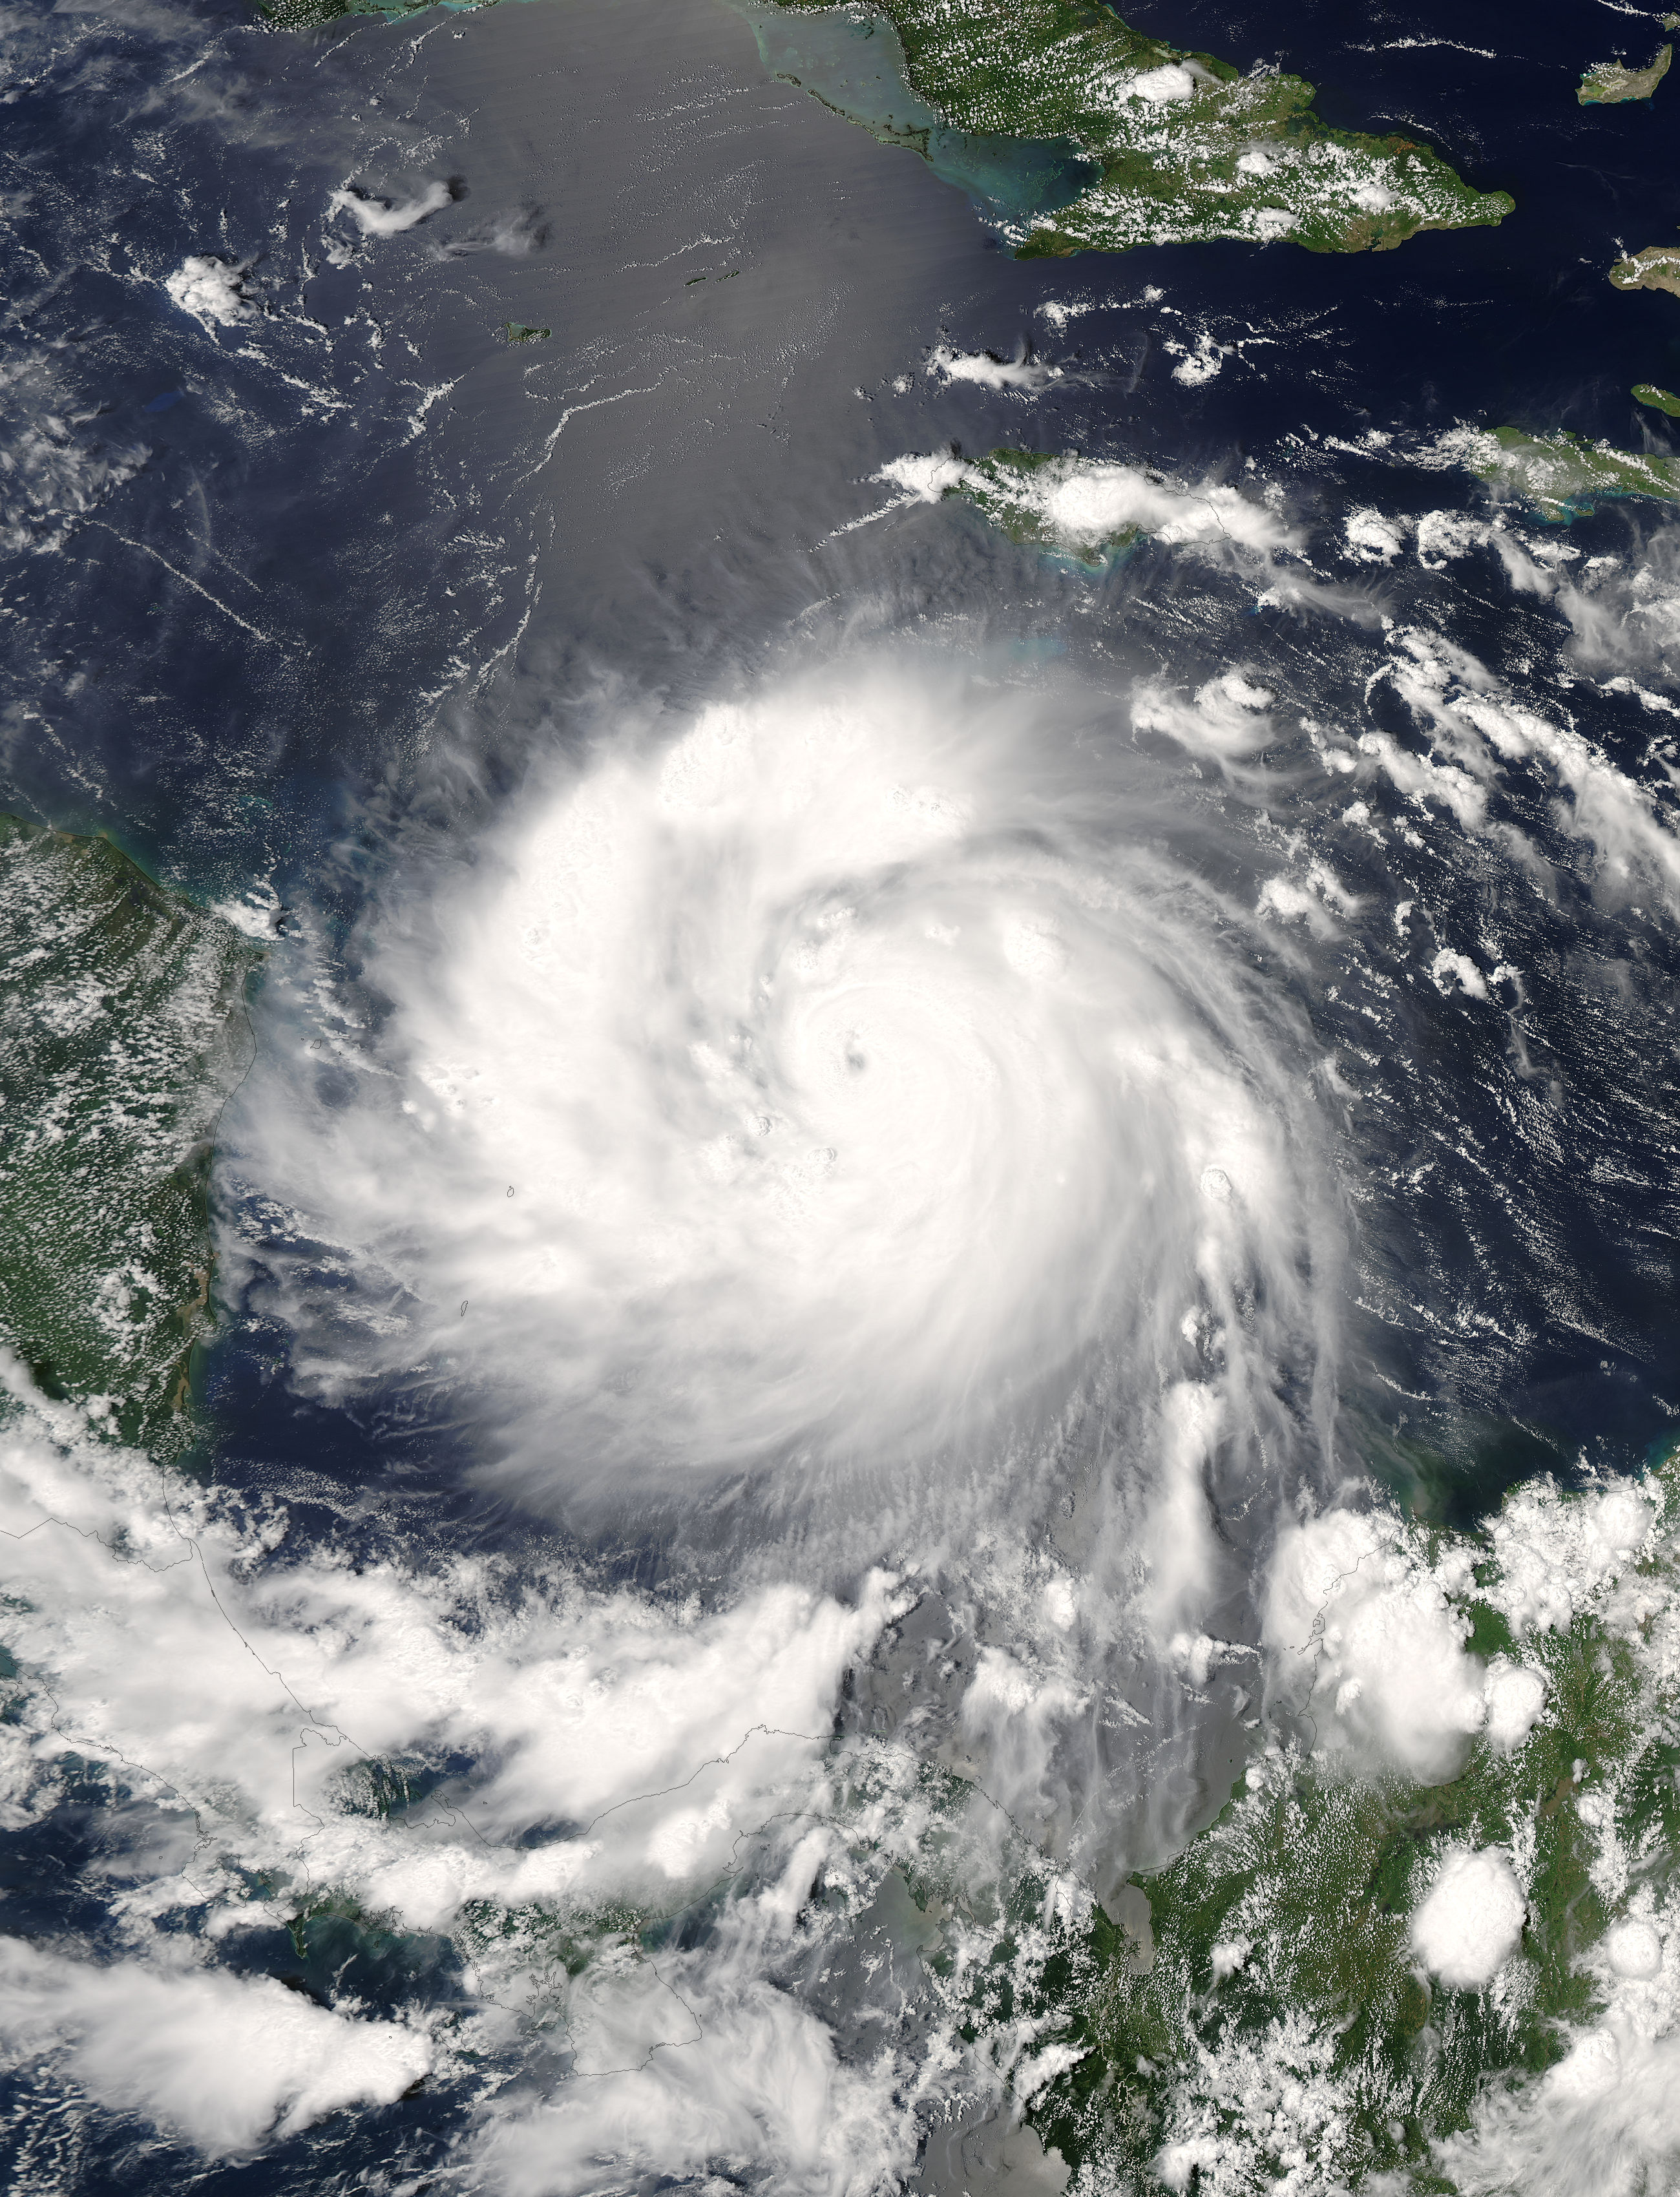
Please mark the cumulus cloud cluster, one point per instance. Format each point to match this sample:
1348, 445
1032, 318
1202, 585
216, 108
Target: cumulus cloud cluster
58, 459
274, 1691
1371, 1642
1470, 1922
1024, 375
211, 290
1479, 729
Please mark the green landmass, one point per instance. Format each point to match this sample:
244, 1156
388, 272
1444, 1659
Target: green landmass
1017, 490
1089, 509
1657, 267
313, 14
1608, 83
518, 332
1188, 148
1183, 146
1563, 475
1662, 400
1272, 2010
1254, 2016
122, 1031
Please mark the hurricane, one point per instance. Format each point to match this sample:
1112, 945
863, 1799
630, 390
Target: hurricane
845, 1075
839, 931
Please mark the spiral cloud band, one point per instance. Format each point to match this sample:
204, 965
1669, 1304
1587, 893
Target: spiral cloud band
842, 1078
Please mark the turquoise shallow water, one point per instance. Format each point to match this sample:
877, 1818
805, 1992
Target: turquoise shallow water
855, 63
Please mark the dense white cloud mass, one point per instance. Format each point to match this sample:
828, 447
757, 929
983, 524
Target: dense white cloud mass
1548, 1565
211, 290
830, 1080
614, 1750
228, 2061
1369, 1639
250, 1699
615, 1761
1603, 2123
1026, 376
1084, 504
1515, 1697
1368, 1642
1470, 1922
760, 2082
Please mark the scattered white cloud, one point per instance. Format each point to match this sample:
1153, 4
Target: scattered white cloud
1197, 365
1059, 311
1228, 718
59, 458
1372, 537
376, 216
1444, 535
1025, 376
1469, 711
1460, 971
926, 478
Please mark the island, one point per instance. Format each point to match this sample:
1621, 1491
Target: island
1084, 509
1563, 475
1183, 146
1656, 267
1088, 510
1660, 400
1164, 145
122, 1031
1608, 83
520, 332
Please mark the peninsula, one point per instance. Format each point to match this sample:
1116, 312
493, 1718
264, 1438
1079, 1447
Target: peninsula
1656, 267
1606, 84
122, 1031
1185, 146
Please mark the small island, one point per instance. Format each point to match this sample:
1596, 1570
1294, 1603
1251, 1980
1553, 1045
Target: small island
1656, 267
1606, 84
1185, 147
1660, 400
519, 331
